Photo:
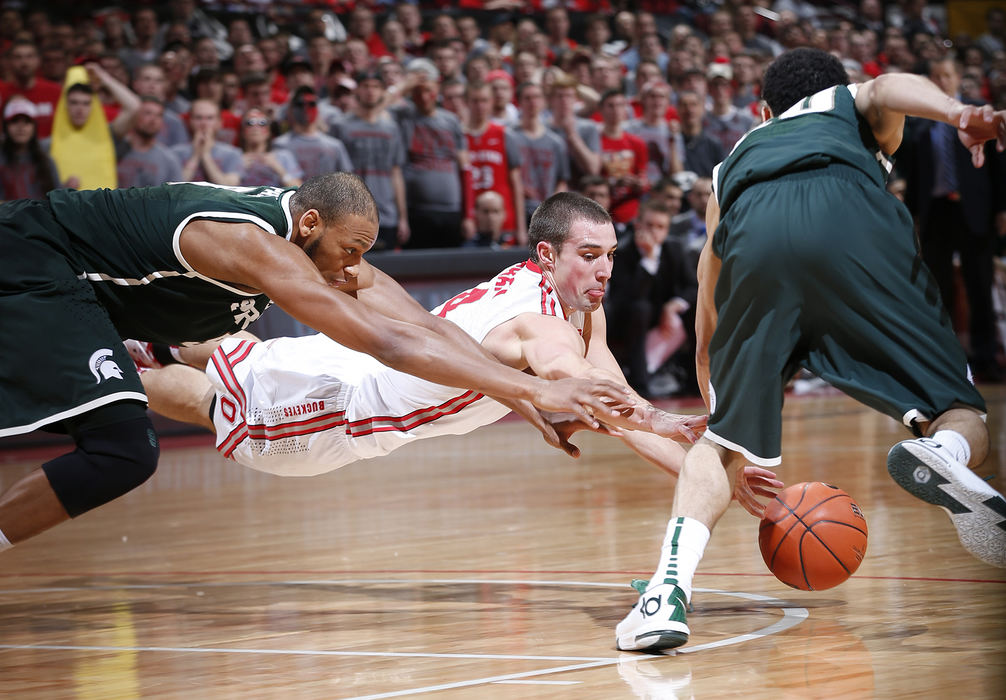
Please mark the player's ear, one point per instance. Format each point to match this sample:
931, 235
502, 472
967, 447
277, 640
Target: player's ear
546, 255
308, 222
764, 111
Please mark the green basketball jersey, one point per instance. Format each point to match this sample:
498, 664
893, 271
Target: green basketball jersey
815, 132
126, 243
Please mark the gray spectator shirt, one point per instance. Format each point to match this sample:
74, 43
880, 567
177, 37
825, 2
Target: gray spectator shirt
589, 132
375, 148
728, 128
226, 156
546, 163
149, 168
432, 143
257, 174
318, 154
173, 131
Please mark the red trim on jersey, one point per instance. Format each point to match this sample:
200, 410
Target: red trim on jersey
318, 424
359, 428
400, 424
224, 365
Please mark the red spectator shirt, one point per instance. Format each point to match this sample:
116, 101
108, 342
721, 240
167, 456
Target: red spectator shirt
44, 93
491, 168
619, 157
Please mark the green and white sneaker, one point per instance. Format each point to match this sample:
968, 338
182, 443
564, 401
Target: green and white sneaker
928, 471
656, 622
640, 584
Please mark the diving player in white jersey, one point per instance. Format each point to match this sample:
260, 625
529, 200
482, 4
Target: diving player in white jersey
304, 406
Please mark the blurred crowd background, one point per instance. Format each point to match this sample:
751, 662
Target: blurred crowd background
463, 116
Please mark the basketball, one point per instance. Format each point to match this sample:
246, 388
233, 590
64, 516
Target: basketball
813, 536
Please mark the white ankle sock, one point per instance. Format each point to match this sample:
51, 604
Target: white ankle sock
4, 542
684, 544
955, 444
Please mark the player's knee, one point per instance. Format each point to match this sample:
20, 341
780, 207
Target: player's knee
109, 461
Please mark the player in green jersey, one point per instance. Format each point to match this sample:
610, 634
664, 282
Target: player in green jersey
810, 262
189, 262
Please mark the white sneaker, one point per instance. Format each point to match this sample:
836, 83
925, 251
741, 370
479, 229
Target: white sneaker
928, 471
656, 622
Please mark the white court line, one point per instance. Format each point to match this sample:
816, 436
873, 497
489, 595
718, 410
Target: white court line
538, 682
791, 617
483, 681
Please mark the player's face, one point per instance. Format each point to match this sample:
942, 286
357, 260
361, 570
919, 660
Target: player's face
583, 265
337, 249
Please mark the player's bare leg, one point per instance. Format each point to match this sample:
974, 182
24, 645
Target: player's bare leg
180, 393
936, 469
658, 620
28, 508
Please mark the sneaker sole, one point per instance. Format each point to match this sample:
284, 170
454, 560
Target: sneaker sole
977, 511
658, 640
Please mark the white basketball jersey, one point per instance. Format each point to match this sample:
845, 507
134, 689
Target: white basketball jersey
303, 406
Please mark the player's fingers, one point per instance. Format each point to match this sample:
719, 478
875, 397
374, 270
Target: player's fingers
687, 433
570, 449
765, 482
750, 504
585, 412
605, 429
978, 155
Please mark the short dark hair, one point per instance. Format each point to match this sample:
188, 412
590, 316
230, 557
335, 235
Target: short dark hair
654, 205
555, 216
608, 94
80, 87
334, 195
800, 73
592, 180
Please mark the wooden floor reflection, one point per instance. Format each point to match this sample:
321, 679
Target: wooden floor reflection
488, 566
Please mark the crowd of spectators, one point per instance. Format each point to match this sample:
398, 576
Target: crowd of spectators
438, 104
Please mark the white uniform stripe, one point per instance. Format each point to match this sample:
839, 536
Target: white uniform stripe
132, 282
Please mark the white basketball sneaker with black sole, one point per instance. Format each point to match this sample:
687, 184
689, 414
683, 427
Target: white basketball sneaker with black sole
928, 471
656, 622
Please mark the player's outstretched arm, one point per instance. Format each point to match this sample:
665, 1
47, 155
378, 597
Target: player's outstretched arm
886, 100
551, 348
240, 254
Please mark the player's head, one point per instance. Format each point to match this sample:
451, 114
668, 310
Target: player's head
800, 73
573, 240
335, 222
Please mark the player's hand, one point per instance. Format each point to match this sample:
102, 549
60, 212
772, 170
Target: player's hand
753, 482
547, 425
978, 125
677, 426
590, 400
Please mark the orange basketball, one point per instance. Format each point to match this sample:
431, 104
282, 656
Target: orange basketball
813, 536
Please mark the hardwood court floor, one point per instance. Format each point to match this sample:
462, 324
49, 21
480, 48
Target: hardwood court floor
488, 566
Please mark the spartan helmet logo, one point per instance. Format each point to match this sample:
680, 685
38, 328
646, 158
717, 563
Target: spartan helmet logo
103, 367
